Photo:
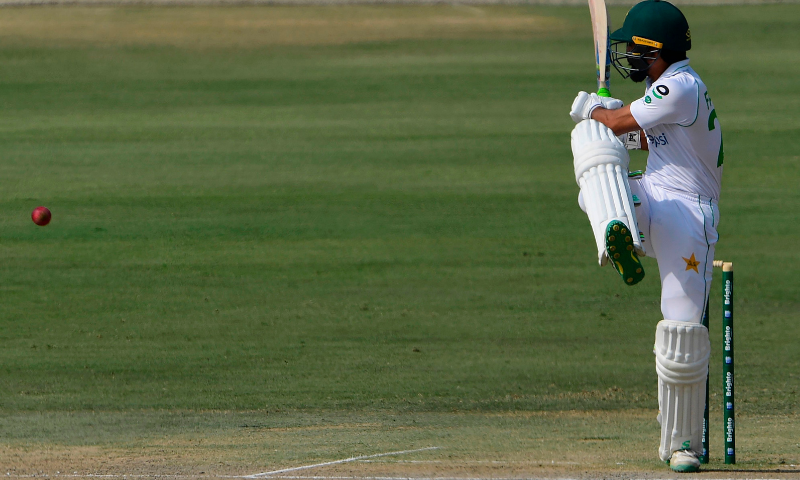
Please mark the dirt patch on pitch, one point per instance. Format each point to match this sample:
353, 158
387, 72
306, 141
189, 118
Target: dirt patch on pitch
175, 462
575, 444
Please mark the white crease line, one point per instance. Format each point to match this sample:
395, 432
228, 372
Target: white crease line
489, 462
335, 462
333, 477
371, 477
320, 477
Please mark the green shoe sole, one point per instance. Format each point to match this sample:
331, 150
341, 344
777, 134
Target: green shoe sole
685, 468
619, 247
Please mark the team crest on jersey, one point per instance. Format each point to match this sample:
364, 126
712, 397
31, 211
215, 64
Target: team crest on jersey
647, 99
691, 263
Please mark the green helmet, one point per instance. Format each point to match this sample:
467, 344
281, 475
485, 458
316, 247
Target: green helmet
657, 24
650, 28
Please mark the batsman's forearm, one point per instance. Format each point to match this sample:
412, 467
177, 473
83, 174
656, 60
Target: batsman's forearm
620, 120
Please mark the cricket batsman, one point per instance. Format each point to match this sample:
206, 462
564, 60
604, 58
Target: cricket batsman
670, 213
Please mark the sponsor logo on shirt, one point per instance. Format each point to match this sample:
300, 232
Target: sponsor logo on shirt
657, 141
660, 91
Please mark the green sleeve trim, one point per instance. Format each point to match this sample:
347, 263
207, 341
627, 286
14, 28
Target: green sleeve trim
697, 109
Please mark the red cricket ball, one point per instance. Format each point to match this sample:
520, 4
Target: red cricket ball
41, 216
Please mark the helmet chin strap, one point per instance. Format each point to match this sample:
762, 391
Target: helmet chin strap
638, 76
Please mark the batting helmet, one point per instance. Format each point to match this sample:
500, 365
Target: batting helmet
649, 28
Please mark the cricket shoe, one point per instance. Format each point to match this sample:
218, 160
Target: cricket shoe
619, 248
684, 461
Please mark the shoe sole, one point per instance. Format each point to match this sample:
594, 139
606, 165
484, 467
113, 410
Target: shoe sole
685, 468
619, 247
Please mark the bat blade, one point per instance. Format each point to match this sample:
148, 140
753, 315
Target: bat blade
601, 27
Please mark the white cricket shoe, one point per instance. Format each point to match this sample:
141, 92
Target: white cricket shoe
684, 461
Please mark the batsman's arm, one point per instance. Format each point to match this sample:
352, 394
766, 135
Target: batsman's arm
620, 120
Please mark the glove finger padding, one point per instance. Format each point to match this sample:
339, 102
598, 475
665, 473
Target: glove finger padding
610, 103
580, 105
601, 171
585, 103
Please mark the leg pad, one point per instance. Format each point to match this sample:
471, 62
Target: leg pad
601, 171
682, 350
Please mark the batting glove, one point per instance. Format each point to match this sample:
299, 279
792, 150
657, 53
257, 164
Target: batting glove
585, 103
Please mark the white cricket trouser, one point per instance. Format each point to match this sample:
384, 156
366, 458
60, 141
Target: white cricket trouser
680, 231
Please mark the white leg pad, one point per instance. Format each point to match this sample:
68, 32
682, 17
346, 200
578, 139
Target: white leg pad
601, 170
682, 350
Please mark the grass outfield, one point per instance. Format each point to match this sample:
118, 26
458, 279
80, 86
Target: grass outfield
329, 221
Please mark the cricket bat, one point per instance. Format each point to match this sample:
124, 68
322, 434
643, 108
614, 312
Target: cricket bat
601, 28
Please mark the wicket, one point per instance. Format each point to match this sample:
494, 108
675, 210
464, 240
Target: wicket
727, 368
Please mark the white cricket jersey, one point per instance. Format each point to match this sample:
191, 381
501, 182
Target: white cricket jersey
683, 133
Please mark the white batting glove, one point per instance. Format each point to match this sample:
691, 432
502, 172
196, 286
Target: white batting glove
585, 103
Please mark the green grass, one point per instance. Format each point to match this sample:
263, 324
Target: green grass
366, 216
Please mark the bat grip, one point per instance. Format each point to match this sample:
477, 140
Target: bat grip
603, 92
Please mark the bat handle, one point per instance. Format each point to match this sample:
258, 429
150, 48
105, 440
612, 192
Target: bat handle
603, 92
